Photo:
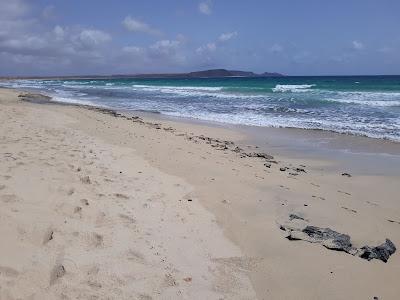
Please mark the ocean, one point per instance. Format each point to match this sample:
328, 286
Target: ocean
358, 105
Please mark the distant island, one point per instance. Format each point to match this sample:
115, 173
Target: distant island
213, 73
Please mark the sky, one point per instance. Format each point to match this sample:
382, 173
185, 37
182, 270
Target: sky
309, 37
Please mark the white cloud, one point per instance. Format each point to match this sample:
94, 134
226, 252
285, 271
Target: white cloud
28, 50
168, 50
276, 48
205, 7
31, 44
227, 36
165, 46
357, 45
59, 33
133, 50
92, 37
135, 25
213, 46
210, 47
25, 45
161, 53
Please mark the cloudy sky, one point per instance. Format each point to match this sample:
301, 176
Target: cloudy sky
310, 37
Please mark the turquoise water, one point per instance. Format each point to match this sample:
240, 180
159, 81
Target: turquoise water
366, 105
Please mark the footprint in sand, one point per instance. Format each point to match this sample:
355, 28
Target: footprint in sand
393, 221
342, 192
320, 198
169, 280
284, 187
144, 297
95, 240
349, 209
8, 272
9, 198
57, 272
94, 285
77, 210
121, 196
135, 256
128, 219
48, 236
86, 180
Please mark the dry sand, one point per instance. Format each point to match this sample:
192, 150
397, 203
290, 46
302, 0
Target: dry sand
95, 206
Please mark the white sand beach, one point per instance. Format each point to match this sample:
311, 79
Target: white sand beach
99, 206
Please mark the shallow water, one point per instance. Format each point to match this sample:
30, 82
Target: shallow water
366, 105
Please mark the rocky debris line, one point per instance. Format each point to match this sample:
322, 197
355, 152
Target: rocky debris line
260, 155
334, 240
225, 145
218, 144
35, 98
294, 171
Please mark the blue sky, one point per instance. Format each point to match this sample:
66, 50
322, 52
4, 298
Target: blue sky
311, 37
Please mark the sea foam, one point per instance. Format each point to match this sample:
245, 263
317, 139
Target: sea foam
293, 88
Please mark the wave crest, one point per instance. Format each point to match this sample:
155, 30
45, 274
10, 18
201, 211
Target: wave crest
292, 88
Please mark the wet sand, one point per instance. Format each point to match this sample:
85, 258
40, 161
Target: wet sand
101, 205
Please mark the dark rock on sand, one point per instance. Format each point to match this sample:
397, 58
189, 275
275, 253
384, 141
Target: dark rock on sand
237, 149
334, 240
381, 252
260, 155
329, 238
346, 174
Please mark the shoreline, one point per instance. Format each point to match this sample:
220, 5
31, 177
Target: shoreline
251, 201
345, 153
313, 130
248, 129
352, 151
336, 147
